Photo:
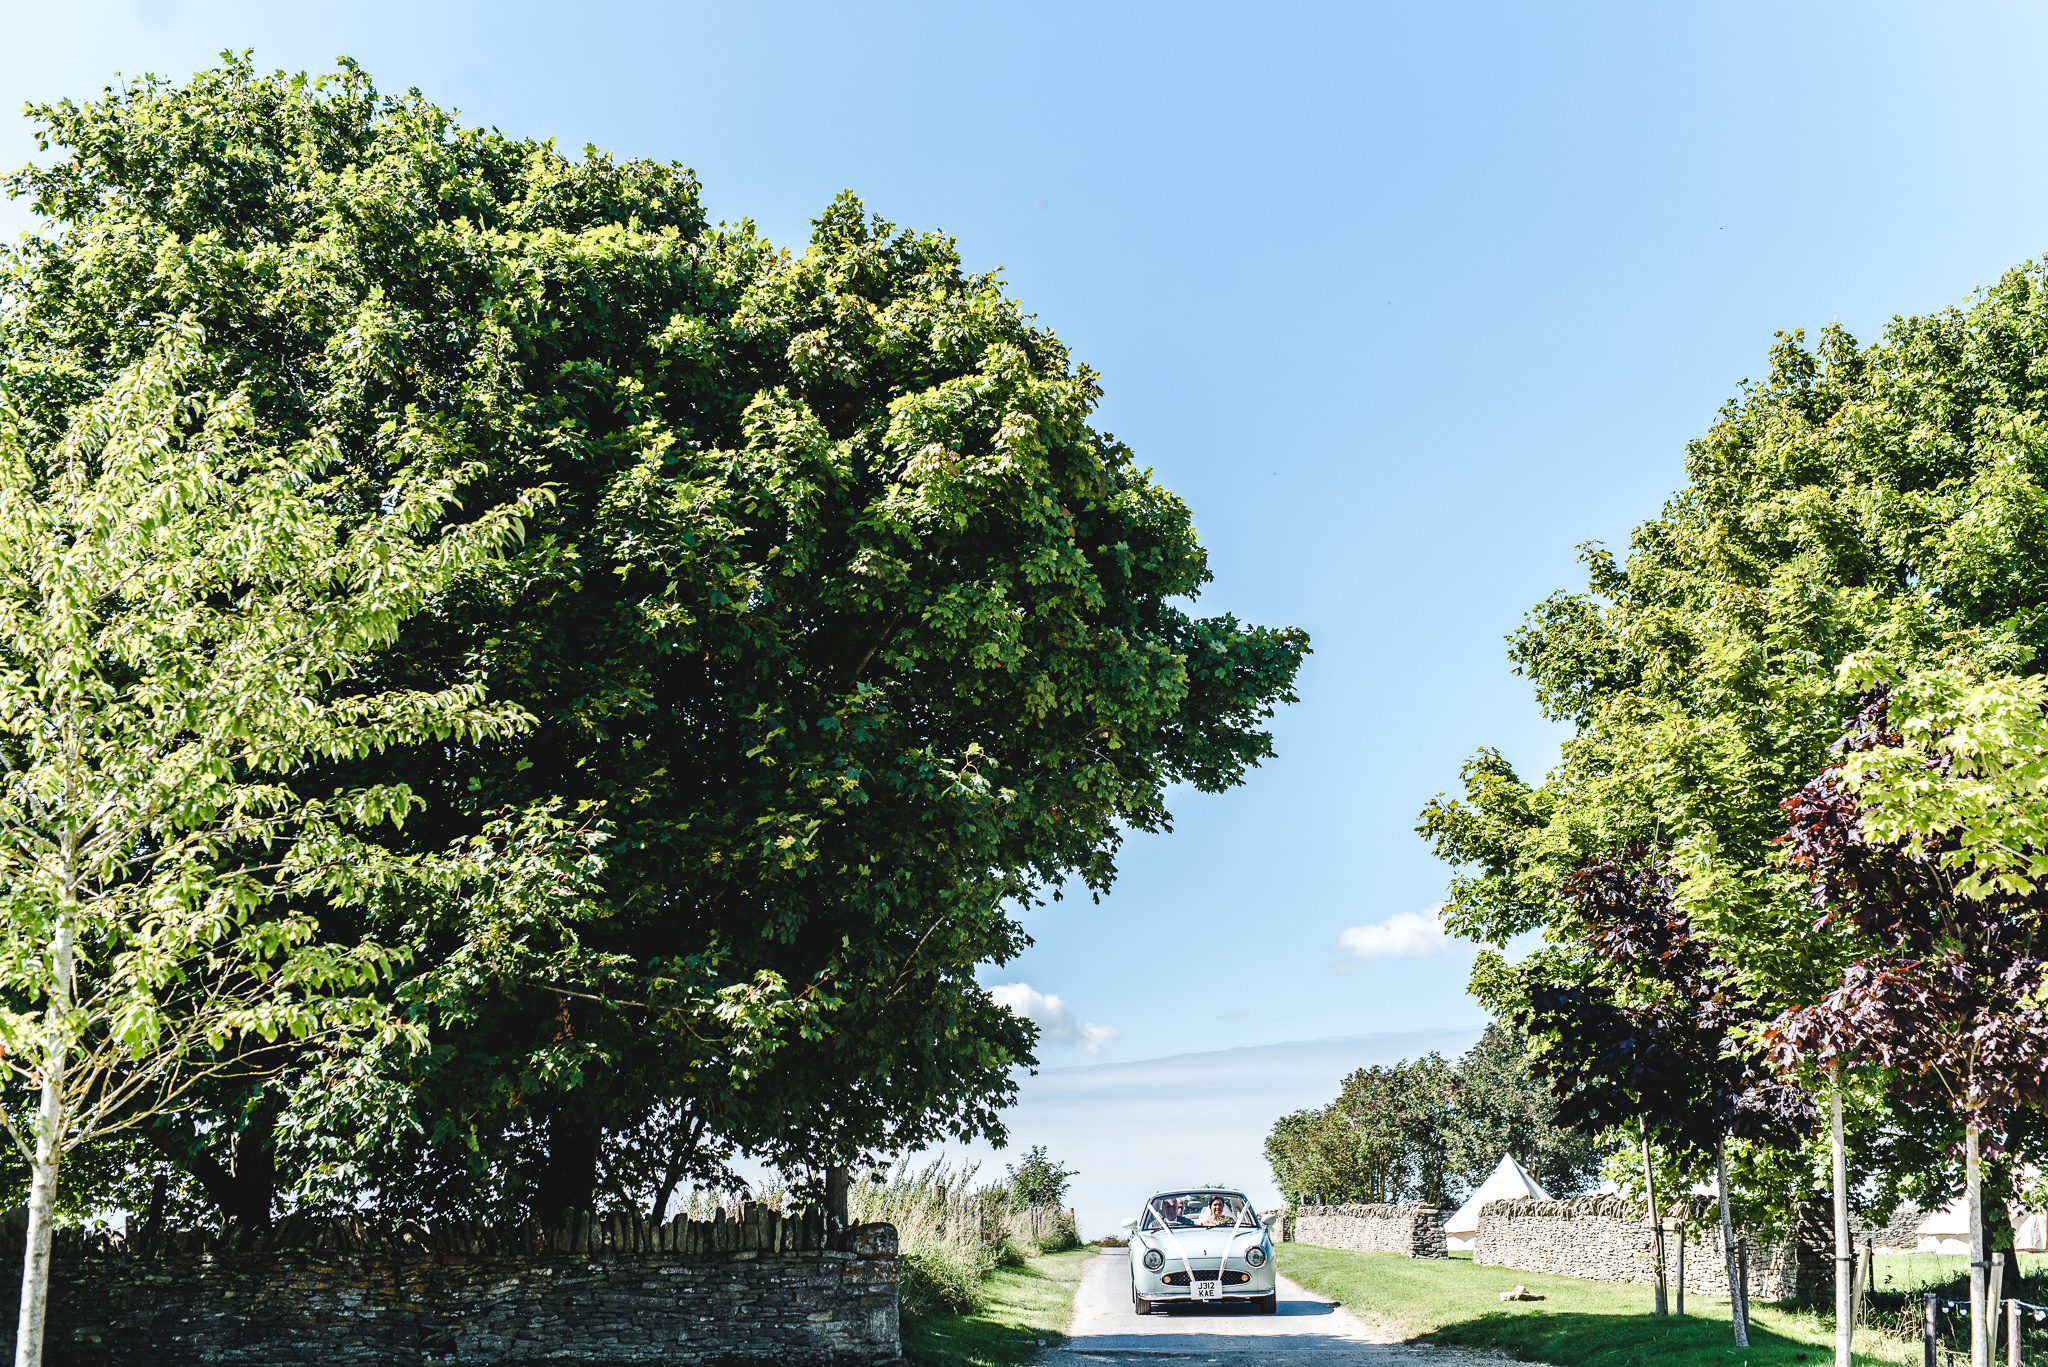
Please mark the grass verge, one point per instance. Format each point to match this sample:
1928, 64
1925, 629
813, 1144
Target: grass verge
1020, 1308
1578, 1323
1915, 1271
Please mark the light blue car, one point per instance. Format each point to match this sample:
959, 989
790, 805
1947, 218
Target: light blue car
1204, 1245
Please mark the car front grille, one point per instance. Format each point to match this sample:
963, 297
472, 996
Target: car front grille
1206, 1274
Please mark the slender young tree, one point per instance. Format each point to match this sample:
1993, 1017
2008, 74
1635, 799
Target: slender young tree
182, 612
1649, 1033
1947, 1007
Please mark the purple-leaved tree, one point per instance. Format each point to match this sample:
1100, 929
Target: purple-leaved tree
1945, 1008
1648, 1030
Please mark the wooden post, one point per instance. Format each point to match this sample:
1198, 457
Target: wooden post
1862, 1271
1991, 1303
2012, 1333
1930, 1308
1678, 1283
1742, 1282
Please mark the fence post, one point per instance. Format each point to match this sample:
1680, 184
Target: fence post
1742, 1275
1991, 1302
1679, 1287
2012, 1333
1931, 1302
1862, 1276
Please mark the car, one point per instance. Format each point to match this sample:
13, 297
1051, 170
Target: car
1203, 1246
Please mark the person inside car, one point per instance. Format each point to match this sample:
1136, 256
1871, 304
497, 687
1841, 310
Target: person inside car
1214, 1215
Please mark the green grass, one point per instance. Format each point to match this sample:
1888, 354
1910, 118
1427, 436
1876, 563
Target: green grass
1020, 1308
1578, 1323
1915, 1271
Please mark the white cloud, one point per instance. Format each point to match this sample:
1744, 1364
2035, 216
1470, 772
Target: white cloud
1055, 1019
1404, 935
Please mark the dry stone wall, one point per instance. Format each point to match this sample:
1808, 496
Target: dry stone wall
1604, 1238
759, 1289
1413, 1231
1902, 1231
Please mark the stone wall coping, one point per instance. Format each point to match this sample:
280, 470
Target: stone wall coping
754, 1229
1366, 1211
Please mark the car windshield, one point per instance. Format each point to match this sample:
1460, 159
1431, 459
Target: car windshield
1197, 1210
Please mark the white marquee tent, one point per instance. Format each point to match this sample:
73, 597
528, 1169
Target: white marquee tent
1509, 1182
1948, 1230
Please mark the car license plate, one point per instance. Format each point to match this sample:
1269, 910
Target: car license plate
1208, 1291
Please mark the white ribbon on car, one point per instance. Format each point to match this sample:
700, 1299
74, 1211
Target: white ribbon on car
1228, 1244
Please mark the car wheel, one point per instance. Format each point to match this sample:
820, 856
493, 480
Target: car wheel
1139, 1304
1267, 1305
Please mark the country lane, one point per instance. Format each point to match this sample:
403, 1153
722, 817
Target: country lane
1308, 1330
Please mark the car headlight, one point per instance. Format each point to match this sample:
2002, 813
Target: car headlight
1154, 1260
1255, 1257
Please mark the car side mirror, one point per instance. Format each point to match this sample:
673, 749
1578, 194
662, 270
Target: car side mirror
1130, 1225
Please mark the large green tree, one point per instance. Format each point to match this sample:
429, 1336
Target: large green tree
1500, 1108
845, 622
1429, 1130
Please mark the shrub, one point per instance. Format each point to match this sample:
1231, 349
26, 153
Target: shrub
939, 1279
1052, 1231
1038, 1181
953, 1233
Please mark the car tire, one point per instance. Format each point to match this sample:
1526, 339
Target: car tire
1267, 1305
1139, 1305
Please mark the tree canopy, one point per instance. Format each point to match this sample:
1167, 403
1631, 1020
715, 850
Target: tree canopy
1865, 512
1880, 501
843, 621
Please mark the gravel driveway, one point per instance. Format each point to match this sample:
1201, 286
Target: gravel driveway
1308, 1329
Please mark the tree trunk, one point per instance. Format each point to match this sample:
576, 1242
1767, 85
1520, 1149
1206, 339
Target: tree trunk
1973, 1195
1656, 1225
838, 1194
35, 1263
671, 1178
1738, 1312
153, 1219
1845, 1257
49, 1135
253, 1169
567, 1177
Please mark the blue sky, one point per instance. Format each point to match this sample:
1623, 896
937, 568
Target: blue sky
1406, 300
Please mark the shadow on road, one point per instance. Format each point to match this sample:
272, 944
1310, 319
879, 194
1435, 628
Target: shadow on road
1288, 1309
1225, 1333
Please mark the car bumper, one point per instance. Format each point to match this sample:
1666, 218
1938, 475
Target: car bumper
1258, 1286
1235, 1295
